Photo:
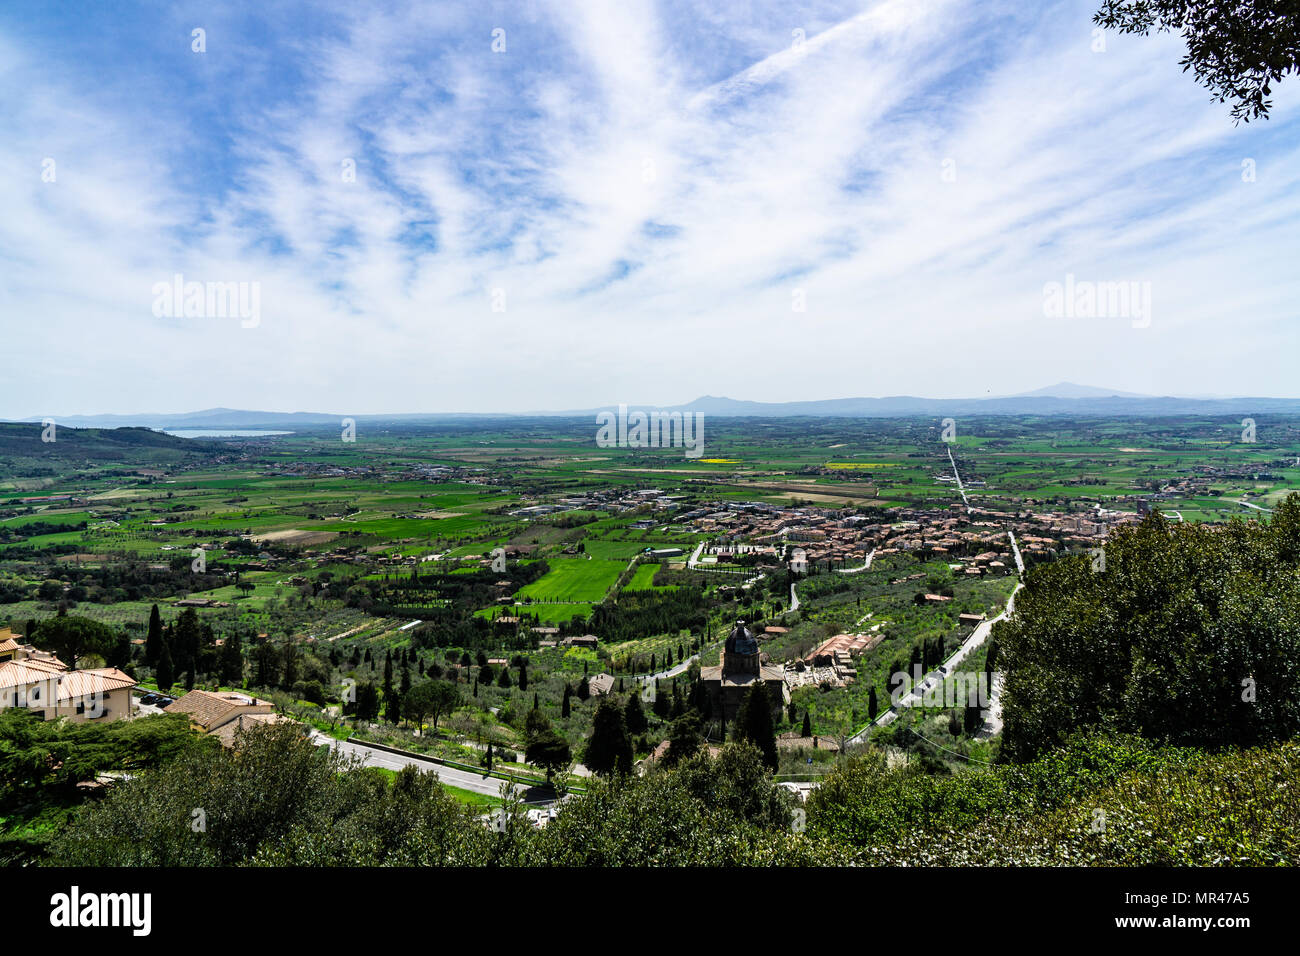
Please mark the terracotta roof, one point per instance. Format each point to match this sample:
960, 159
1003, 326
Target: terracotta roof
210, 710
70, 684
99, 680
227, 731
28, 671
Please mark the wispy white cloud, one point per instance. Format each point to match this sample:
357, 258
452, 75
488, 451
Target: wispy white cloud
917, 171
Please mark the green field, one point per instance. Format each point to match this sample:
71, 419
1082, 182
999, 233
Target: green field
574, 580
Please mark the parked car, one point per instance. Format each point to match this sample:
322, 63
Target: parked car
149, 699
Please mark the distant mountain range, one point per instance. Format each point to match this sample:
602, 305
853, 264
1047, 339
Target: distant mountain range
1064, 398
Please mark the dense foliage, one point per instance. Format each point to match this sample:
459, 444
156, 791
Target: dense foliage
1180, 633
1100, 800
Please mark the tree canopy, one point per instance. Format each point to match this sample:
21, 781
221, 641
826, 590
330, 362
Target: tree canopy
1189, 635
1236, 50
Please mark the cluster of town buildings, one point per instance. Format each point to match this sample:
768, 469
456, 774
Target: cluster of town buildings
977, 537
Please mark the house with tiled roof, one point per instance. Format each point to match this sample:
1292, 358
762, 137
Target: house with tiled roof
227, 732
40, 682
209, 711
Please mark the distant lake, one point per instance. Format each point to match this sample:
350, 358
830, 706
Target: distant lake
221, 433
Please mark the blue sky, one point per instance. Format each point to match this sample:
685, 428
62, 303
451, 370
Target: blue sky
627, 203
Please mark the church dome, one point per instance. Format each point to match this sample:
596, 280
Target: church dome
742, 640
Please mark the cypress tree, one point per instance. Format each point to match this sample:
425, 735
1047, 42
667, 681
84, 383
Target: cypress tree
754, 723
807, 725
165, 674
609, 751
634, 715
152, 643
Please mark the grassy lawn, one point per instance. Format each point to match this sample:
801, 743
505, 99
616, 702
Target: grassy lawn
574, 579
470, 798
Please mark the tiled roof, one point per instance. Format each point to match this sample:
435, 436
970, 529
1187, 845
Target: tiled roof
71, 684
99, 680
226, 732
210, 710
28, 671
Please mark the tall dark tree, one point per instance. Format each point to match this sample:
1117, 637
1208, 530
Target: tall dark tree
153, 641
754, 723
290, 673
186, 642
268, 664
165, 672
367, 706
684, 739
662, 704
232, 660
634, 714
549, 751
119, 655
609, 749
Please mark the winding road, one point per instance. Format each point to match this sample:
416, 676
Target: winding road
940, 673
453, 776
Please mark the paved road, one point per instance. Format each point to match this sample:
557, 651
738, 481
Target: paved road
681, 668
373, 757
1251, 505
865, 567
1015, 549
690, 563
992, 725
794, 598
960, 487
940, 673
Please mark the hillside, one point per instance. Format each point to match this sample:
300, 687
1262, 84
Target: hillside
24, 454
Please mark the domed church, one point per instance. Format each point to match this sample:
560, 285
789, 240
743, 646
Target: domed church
729, 682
